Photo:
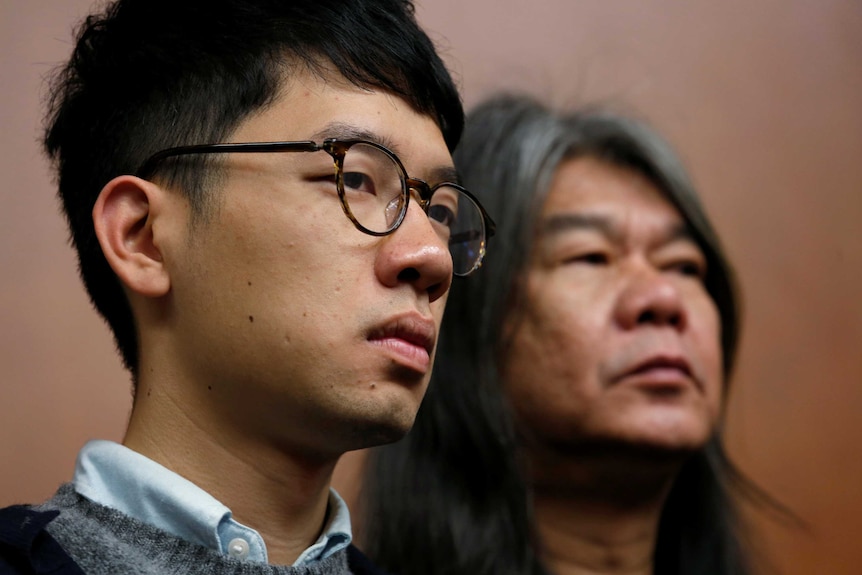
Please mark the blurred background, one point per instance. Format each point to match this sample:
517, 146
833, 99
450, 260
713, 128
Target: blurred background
764, 101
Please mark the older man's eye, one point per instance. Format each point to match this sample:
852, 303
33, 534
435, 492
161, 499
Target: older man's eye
693, 269
589, 258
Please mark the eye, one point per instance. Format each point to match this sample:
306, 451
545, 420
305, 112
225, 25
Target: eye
689, 268
442, 214
589, 258
358, 182
683, 258
444, 205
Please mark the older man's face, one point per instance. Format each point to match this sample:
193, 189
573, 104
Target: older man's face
618, 341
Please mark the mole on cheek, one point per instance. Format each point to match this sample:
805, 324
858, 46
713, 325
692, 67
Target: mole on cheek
251, 319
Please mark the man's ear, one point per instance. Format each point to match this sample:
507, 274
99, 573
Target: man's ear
124, 217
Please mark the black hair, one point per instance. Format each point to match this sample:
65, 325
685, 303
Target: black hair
453, 497
152, 74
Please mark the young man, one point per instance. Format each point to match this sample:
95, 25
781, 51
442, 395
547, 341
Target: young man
235, 176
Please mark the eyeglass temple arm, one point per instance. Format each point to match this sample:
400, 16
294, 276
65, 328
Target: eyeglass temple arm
149, 166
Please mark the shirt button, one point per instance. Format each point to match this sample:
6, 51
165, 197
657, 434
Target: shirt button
238, 548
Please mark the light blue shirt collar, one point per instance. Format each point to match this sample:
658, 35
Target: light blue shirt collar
117, 477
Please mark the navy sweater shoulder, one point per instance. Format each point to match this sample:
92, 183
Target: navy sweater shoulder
26, 547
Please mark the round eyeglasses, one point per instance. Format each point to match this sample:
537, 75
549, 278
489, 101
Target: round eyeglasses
375, 190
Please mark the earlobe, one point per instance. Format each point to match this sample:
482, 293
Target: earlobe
124, 218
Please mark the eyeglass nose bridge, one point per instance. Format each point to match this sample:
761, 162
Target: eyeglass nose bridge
423, 191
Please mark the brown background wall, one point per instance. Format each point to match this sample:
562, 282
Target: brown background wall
764, 100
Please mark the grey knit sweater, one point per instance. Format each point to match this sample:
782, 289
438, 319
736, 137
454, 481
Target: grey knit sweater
104, 541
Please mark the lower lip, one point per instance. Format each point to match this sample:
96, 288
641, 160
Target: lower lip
405, 353
659, 378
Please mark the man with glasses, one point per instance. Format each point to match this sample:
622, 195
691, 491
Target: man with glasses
266, 214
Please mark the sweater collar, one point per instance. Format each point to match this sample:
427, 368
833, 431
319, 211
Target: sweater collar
115, 476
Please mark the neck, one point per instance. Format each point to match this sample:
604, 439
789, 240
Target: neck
279, 492
599, 515
580, 538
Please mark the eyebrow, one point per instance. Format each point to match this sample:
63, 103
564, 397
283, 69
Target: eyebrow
562, 223
345, 131
447, 174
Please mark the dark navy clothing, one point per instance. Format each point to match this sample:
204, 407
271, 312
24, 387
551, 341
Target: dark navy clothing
25, 546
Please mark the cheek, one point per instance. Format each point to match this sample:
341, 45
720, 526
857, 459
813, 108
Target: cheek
438, 308
550, 365
706, 343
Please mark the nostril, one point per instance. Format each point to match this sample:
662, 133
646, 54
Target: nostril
408, 275
656, 317
647, 317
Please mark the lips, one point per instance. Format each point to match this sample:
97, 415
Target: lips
660, 371
409, 338
662, 362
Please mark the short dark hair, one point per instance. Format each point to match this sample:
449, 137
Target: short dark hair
152, 74
454, 490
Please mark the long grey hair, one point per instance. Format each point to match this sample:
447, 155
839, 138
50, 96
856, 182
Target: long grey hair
452, 497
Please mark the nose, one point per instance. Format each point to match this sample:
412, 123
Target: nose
415, 254
650, 297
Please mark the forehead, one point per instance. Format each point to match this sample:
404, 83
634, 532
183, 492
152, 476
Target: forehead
591, 184
312, 106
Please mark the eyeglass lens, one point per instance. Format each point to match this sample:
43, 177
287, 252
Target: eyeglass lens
375, 191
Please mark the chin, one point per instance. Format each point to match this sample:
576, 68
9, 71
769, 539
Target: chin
637, 443
374, 434
671, 429
669, 447
381, 428
679, 441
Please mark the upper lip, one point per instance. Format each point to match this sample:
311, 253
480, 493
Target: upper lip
412, 328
